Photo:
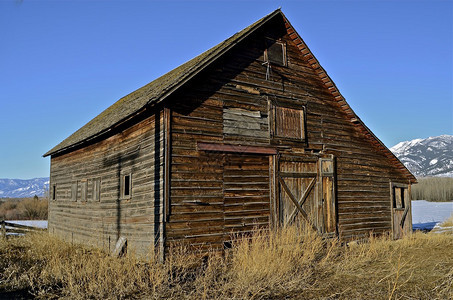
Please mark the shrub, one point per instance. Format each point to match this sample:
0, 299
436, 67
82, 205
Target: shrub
24, 209
33, 209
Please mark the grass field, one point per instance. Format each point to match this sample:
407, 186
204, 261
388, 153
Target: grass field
272, 265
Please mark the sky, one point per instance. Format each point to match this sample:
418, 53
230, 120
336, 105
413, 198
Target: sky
63, 62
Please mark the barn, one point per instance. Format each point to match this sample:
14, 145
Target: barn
251, 133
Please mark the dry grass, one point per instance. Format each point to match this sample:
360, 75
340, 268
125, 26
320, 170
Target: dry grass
270, 265
445, 227
448, 222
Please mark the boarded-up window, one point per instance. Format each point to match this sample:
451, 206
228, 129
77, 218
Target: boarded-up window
83, 190
243, 122
289, 123
96, 189
74, 191
275, 52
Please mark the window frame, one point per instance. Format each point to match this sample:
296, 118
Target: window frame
273, 105
123, 189
74, 189
96, 189
54, 192
83, 190
403, 189
270, 42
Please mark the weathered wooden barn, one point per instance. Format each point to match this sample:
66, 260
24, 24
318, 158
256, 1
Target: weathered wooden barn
251, 133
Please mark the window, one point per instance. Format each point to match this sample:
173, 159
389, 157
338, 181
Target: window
400, 196
126, 190
275, 52
288, 123
74, 191
83, 190
97, 189
54, 192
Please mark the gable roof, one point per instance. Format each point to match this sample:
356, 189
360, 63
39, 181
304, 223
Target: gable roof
154, 92
157, 90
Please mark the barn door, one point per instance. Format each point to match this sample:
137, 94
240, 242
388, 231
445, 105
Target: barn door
327, 182
306, 192
401, 210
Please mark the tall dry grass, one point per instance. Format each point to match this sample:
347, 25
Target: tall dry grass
288, 263
433, 189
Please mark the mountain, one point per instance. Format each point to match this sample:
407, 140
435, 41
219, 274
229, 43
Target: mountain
21, 188
427, 157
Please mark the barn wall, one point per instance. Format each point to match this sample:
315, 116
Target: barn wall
137, 151
229, 103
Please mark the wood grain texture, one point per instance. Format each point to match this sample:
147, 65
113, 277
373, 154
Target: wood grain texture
294, 124
89, 207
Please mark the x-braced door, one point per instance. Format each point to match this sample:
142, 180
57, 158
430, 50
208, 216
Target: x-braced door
306, 192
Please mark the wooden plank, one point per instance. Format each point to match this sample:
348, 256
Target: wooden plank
298, 175
217, 147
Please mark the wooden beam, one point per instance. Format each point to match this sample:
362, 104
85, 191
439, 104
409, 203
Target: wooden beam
167, 186
403, 218
216, 147
167, 153
298, 175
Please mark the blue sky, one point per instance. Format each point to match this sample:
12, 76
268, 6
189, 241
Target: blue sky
63, 62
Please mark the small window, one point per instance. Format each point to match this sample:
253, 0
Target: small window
54, 192
275, 52
399, 197
74, 191
97, 189
83, 190
289, 123
126, 186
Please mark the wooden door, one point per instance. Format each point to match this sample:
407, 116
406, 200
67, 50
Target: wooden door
306, 192
401, 210
246, 194
328, 195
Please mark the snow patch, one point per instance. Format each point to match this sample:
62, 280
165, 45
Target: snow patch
426, 215
32, 223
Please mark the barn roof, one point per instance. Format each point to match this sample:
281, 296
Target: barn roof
153, 92
157, 90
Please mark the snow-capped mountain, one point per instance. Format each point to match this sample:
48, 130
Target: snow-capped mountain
427, 157
21, 188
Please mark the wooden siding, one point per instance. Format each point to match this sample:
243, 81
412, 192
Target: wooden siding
206, 165
229, 103
100, 220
